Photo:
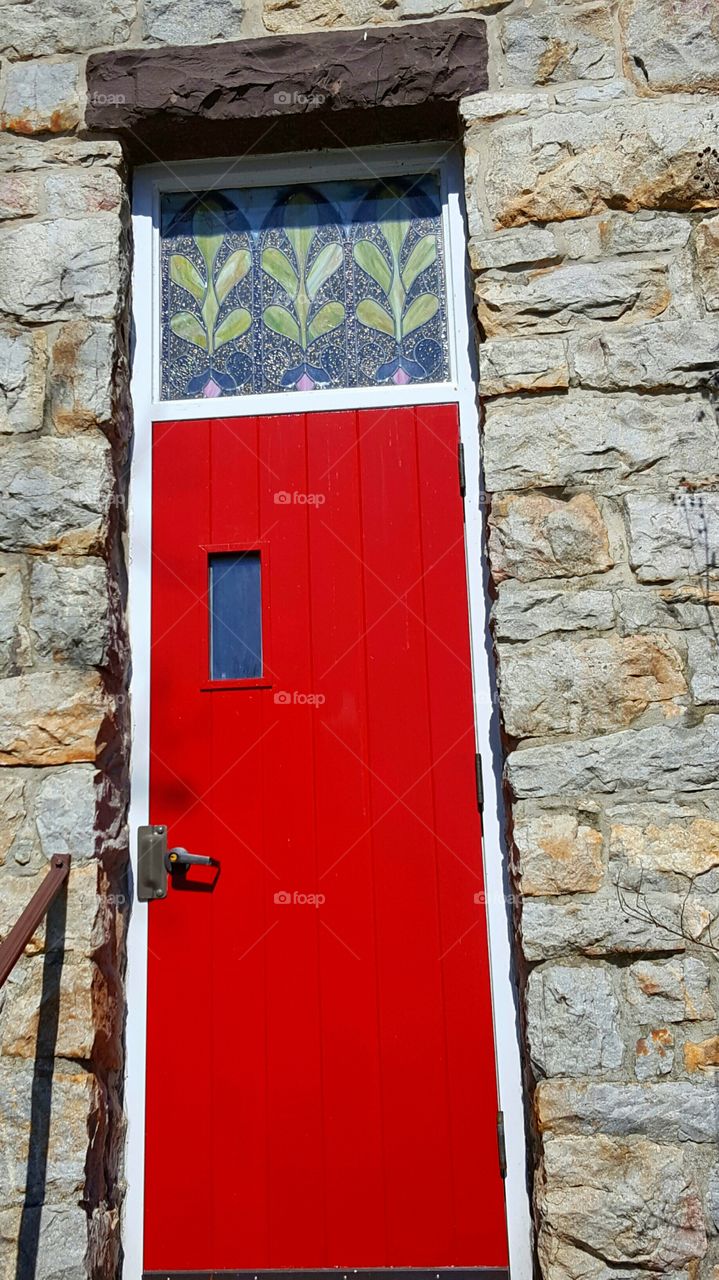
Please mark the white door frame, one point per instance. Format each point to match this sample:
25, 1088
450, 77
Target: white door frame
462, 389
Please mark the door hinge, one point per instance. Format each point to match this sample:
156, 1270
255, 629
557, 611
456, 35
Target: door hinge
501, 1144
480, 781
462, 471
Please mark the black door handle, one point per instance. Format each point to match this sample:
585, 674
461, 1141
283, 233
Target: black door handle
178, 859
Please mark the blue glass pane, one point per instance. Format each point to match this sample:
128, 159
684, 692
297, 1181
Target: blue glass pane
235, 616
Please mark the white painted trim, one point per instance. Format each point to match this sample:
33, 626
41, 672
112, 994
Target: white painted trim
462, 390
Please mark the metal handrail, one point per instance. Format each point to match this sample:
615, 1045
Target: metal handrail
41, 901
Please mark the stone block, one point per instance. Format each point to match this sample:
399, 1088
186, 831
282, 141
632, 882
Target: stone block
642, 232
670, 539
702, 1055
492, 105
12, 808
68, 994
14, 648
526, 612
512, 249
543, 46
587, 686
82, 368
681, 607
557, 853
533, 536
69, 611
706, 248
630, 1202
659, 758
653, 357
19, 195
50, 717
669, 838
73, 1099
671, 991
571, 296
65, 812
614, 922
62, 1230
573, 1021
87, 924
56, 269
654, 1054
41, 97
71, 193
670, 46
38, 27
287, 16
632, 155
185, 22
23, 364
55, 494
604, 440
703, 653
522, 364
669, 1111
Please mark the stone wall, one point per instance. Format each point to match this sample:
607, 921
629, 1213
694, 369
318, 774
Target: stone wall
593, 186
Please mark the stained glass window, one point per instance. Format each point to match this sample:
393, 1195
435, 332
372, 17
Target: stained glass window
338, 284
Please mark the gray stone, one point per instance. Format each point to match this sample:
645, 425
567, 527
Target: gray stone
643, 232
626, 1201
654, 1054
19, 195
703, 652
588, 438
557, 853
522, 364
65, 812
573, 1021
673, 353
50, 717
62, 1229
533, 536
23, 363
668, 838
713, 1195
546, 45
492, 105
672, 539
20, 156
657, 758
670, 46
41, 97
54, 494
587, 686
71, 193
681, 608
186, 22
82, 374
672, 1111
706, 247
21, 1013
53, 270
614, 922
570, 296
525, 612
69, 619
73, 1098
309, 15
630, 155
12, 808
671, 991
512, 249
14, 648
36, 27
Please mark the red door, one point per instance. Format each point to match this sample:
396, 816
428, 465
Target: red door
320, 1065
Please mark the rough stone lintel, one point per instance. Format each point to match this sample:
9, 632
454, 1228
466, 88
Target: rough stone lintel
174, 101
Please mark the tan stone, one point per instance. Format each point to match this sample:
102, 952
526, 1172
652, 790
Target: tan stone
570, 164
80, 385
706, 246
62, 1175
667, 841
310, 15
546, 45
12, 809
41, 97
86, 927
557, 854
703, 1055
674, 990
625, 1200
50, 717
23, 364
671, 44
533, 536
587, 686
23, 1008
654, 1054
522, 364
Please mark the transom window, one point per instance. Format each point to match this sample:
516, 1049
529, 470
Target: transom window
303, 287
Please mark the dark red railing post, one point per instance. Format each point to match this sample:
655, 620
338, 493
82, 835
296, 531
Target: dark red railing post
20, 934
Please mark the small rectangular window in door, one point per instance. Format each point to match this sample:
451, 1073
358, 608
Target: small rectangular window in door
235, 615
